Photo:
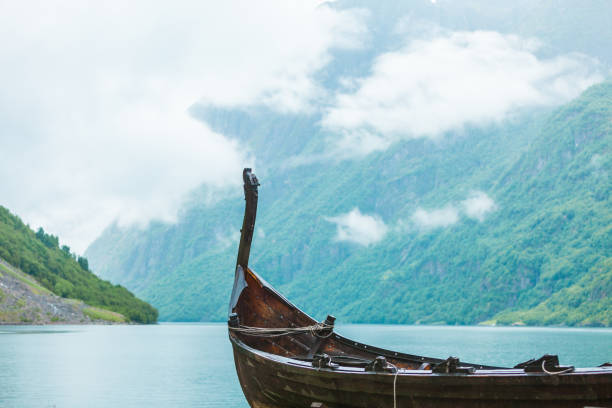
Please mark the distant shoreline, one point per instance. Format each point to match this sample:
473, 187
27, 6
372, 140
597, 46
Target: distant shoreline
483, 326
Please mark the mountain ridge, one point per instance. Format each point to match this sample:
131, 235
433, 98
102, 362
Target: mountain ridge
57, 272
412, 275
24, 301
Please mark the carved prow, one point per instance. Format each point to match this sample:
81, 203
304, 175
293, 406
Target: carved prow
250, 211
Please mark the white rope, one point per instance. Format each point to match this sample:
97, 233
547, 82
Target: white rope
284, 331
567, 370
394, 382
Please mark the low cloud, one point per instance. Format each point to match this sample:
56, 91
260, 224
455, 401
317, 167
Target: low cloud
359, 228
436, 85
478, 205
93, 109
366, 229
442, 217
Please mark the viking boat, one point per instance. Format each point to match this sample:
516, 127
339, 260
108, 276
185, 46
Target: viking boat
284, 358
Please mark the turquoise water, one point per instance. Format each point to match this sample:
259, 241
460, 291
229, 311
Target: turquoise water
191, 365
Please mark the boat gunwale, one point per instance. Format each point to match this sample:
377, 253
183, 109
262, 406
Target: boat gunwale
482, 373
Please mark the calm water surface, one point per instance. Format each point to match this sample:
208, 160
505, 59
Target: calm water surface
191, 365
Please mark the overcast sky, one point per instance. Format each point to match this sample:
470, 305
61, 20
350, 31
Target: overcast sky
93, 107
94, 97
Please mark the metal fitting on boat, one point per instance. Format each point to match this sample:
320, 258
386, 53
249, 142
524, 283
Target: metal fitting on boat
234, 320
548, 363
451, 366
380, 364
323, 361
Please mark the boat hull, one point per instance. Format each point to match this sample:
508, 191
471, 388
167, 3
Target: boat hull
270, 381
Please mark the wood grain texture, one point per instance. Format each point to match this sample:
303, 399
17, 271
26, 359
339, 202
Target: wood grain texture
273, 372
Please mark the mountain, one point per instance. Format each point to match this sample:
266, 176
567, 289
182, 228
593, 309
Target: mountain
507, 223
36, 273
497, 221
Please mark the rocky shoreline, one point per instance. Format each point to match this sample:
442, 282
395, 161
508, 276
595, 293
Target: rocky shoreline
23, 301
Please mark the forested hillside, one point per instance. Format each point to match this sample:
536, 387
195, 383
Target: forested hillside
507, 223
399, 195
62, 272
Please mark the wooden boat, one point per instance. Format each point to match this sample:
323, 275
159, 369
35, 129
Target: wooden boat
284, 358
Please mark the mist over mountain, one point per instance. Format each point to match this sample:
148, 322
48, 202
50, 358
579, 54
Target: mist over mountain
453, 169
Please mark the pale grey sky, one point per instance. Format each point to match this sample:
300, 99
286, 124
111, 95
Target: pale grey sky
94, 97
93, 121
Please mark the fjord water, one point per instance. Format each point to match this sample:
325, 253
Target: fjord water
191, 365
